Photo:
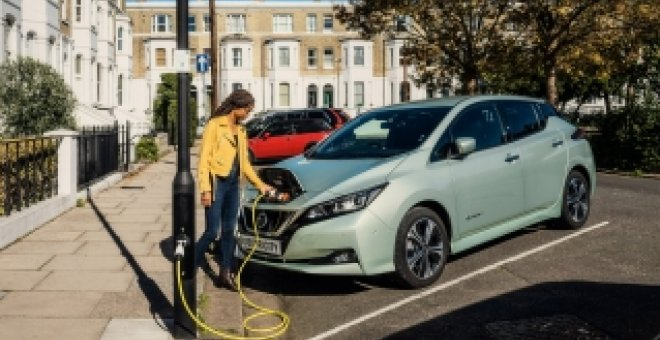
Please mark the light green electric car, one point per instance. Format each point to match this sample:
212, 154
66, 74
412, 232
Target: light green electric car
401, 188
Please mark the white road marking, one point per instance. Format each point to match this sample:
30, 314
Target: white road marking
454, 282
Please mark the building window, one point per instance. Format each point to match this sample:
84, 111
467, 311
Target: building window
346, 58
391, 57
328, 96
161, 23
401, 23
207, 23
328, 57
78, 10
284, 94
192, 23
161, 57
311, 23
429, 92
284, 57
404, 91
327, 23
358, 57
120, 90
29, 43
237, 57
282, 23
235, 23
311, 58
120, 39
358, 88
272, 95
312, 95
78, 65
236, 86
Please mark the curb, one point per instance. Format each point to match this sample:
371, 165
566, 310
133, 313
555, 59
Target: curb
629, 174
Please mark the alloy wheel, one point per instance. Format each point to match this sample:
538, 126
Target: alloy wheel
577, 199
424, 248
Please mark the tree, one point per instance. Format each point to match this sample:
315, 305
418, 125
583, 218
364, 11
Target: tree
553, 32
443, 39
166, 107
34, 98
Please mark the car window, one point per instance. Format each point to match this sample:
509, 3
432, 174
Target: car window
295, 115
519, 118
481, 122
279, 128
545, 111
443, 148
343, 115
326, 116
311, 126
381, 133
276, 118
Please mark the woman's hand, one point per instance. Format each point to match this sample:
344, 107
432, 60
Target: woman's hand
266, 189
206, 198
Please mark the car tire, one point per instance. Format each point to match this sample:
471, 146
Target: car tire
421, 248
576, 201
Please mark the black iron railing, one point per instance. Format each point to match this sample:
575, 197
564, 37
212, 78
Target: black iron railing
29, 172
98, 153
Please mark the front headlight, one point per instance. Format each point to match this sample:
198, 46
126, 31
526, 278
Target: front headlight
342, 205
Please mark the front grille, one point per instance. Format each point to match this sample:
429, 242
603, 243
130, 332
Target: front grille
268, 222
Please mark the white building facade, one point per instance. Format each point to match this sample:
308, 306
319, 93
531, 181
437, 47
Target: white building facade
288, 54
88, 42
11, 32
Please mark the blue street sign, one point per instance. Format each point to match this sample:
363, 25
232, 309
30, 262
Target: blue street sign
202, 63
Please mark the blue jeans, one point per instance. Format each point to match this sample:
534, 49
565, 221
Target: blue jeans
222, 212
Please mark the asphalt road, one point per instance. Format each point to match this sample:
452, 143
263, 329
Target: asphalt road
601, 282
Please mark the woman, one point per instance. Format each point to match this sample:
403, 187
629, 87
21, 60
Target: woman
223, 159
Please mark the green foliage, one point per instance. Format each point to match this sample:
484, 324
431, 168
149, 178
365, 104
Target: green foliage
166, 107
80, 203
562, 50
34, 98
146, 149
446, 39
628, 139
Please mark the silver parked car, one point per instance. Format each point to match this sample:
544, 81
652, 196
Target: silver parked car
400, 188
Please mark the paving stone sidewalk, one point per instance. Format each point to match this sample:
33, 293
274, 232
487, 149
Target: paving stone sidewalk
103, 271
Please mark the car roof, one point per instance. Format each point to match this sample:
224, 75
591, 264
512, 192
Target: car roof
452, 101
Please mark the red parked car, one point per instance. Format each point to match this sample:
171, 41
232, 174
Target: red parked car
335, 117
284, 139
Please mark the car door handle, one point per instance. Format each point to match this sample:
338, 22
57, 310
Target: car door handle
557, 143
511, 158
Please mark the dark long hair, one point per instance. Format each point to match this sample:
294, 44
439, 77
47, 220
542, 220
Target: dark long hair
238, 99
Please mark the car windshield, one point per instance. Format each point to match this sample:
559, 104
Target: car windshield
254, 126
381, 134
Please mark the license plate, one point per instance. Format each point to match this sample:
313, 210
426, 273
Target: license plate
268, 246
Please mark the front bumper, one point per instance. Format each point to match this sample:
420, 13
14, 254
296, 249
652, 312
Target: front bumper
308, 248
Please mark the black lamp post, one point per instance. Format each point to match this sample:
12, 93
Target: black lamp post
183, 193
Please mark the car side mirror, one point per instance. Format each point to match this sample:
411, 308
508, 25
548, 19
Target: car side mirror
265, 135
465, 145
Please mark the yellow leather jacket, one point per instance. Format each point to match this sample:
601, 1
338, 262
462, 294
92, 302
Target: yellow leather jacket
218, 152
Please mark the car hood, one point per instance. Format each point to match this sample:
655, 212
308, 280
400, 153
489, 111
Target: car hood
339, 176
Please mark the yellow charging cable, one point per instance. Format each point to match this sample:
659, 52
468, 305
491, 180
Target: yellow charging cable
274, 331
